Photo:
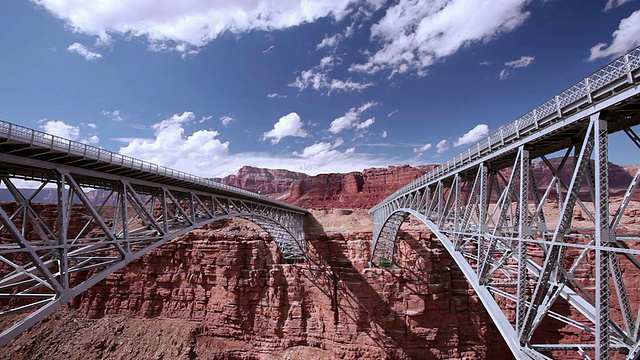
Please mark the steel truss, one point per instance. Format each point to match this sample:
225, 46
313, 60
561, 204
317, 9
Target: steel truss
50, 254
574, 274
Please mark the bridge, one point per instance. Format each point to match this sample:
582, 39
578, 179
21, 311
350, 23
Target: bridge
493, 213
50, 254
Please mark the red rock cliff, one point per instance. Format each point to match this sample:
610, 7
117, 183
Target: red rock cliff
243, 305
360, 190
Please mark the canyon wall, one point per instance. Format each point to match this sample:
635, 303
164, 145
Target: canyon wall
225, 296
360, 190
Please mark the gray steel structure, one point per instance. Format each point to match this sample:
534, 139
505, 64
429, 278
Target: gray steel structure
43, 264
485, 207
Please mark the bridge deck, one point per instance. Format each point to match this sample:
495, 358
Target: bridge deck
24, 143
552, 125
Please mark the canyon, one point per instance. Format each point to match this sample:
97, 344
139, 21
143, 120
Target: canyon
223, 292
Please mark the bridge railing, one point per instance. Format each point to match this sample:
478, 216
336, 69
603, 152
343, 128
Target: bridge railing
538, 118
42, 139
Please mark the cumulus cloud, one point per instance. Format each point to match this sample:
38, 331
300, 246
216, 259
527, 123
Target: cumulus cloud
288, 125
421, 150
625, 38
71, 132
473, 135
414, 34
192, 23
384, 134
443, 146
611, 4
351, 119
323, 153
83, 51
170, 146
226, 120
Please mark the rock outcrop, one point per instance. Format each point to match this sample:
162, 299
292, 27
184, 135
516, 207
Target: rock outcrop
242, 304
360, 190
263, 181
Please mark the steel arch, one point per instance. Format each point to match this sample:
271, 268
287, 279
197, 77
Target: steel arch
485, 206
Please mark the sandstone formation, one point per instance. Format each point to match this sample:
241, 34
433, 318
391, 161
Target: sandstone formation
264, 181
356, 189
215, 295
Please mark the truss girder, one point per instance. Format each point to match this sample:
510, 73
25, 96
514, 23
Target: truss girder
50, 254
539, 257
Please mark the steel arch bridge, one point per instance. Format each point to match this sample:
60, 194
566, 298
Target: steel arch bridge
529, 270
45, 263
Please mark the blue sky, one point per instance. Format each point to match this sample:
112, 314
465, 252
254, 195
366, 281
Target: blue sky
323, 86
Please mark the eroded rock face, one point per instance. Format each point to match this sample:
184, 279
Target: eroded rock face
243, 304
263, 181
359, 190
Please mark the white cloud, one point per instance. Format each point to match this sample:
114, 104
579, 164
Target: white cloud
615, 3
71, 132
82, 50
413, 34
625, 38
365, 124
192, 23
323, 153
103, 39
115, 115
170, 147
60, 128
384, 134
288, 125
93, 139
226, 120
328, 61
422, 149
443, 146
318, 79
330, 42
473, 135
392, 113
524, 61
268, 50
351, 119
276, 95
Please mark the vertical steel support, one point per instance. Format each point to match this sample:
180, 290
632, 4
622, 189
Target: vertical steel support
602, 237
523, 234
63, 227
482, 214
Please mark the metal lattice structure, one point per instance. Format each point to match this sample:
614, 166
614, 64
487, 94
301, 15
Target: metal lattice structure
50, 254
534, 274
